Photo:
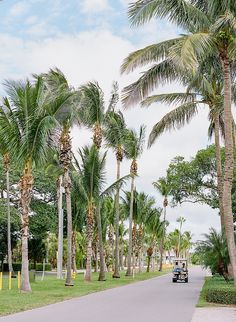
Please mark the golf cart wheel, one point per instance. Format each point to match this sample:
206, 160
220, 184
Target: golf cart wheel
186, 280
174, 280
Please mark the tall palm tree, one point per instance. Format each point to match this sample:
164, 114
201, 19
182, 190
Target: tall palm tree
55, 170
210, 29
114, 136
163, 187
154, 228
134, 142
57, 83
27, 123
93, 110
92, 178
6, 161
180, 220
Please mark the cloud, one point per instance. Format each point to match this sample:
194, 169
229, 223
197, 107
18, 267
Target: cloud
94, 6
19, 9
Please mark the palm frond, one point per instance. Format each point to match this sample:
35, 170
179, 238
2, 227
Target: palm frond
162, 73
147, 55
180, 12
175, 119
170, 98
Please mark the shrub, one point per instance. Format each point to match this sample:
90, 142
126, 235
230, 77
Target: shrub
39, 267
221, 295
16, 267
216, 290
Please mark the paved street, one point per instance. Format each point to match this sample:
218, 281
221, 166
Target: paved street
155, 300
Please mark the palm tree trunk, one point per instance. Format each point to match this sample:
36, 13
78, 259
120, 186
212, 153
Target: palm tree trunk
129, 259
122, 257
60, 228
102, 274
219, 169
9, 253
74, 268
117, 219
162, 239
229, 164
67, 186
96, 256
89, 233
26, 186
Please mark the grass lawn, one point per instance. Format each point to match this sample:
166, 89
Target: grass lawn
215, 284
52, 290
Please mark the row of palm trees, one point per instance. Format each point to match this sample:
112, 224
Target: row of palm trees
202, 59
36, 118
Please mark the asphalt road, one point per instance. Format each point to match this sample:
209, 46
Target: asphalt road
155, 300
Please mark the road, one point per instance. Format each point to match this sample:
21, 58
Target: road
155, 300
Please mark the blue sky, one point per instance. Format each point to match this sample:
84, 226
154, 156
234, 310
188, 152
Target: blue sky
88, 40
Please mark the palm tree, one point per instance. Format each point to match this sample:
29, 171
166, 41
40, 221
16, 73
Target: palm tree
180, 220
213, 253
93, 110
55, 171
92, 178
164, 188
114, 136
57, 83
134, 143
210, 29
6, 160
27, 122
154, 228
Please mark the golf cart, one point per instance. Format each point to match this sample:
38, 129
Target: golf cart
180, 270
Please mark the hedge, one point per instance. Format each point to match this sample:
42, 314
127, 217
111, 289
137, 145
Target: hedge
216, 290
222, 295
17, 267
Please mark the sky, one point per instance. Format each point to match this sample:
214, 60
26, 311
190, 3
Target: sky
88, 40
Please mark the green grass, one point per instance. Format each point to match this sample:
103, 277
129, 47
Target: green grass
214, 284
52, 290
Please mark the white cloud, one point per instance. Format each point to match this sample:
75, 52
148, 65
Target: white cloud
19, 9
94, 6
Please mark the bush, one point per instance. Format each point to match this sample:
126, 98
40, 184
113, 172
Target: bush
225, 295
216, 290
16, 267
39, 267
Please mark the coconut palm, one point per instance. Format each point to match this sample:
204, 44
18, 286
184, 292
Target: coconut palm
114, 136
210, 29
27, 122
92, 179
180, 220
6, 162
154, 228
93, 110
134, 142
55, 171
57, 83
163, 187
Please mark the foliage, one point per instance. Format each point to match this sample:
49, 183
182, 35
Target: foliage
15, 227
215, 290
213, 253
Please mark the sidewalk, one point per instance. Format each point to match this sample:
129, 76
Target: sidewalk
214, 314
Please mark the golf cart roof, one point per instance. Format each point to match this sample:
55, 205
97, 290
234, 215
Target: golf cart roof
180, 260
